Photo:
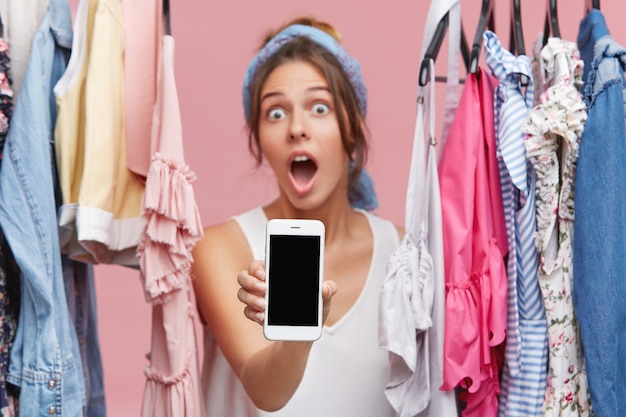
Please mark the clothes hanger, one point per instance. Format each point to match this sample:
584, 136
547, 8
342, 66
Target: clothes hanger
552, 22
166, 17
433, 50
517, 35
486, 21
592, 4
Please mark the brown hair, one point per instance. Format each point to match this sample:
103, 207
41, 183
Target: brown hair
351, 124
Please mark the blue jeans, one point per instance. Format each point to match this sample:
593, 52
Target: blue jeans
599, 288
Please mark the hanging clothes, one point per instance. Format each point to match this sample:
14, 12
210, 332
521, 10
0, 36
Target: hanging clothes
475, 245
526, 354
436, 12
80, 292
6, 92
45, 360
407, 293
100, 218
9, 271
442, 403
412, 302
9, 313
78, 277
600, 246
553, 132
21, 19
144, 31
173, 227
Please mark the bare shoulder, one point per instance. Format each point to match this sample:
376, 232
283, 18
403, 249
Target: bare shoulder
224, 241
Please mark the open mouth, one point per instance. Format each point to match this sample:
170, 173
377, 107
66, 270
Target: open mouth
303, 170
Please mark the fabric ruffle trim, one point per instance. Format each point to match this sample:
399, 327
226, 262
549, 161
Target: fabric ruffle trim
173, 227
180, 387
475, 328
549, 53
409, 289
406, 300
562, 114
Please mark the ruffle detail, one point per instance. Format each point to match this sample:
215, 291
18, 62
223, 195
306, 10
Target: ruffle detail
172, 230
159, 378
558, 122
484, 402
407, 298
554, 48
554, 130
169, 394
480, 301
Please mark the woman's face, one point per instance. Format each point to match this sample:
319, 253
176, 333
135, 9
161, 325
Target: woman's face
300, 137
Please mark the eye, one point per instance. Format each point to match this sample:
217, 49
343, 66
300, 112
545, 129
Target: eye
320, 109
276, 114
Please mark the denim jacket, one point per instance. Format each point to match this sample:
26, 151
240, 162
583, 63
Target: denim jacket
45, 361
599, 292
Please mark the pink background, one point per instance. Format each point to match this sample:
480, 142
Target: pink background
214, 42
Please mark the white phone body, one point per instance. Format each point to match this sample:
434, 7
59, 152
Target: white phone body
294, 272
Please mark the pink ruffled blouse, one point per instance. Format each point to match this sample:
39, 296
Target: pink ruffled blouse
173, 227
475, 247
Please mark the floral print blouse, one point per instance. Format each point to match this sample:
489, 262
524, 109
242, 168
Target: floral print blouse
9, 271
553, 131
6, 93
9, 313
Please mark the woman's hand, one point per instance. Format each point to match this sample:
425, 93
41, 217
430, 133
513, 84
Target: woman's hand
253, 288
252, 291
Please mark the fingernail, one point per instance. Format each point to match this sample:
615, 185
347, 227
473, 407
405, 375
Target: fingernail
260, 287
260, 274
260, 316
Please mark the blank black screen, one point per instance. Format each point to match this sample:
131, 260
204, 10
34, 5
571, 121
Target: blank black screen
293, 282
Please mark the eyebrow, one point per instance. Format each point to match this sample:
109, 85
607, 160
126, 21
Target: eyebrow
308, 90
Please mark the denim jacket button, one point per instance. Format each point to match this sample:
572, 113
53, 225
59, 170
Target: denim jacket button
52, 384
52, 410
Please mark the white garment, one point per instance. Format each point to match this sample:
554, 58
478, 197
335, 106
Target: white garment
346, 372
20, 19
412, 309
436, 12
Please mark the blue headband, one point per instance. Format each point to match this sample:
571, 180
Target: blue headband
361, 194
350, 66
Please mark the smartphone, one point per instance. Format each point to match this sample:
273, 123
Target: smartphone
294, 272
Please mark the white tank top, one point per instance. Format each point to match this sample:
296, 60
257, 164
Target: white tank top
346, 372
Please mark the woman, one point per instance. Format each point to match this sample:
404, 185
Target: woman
305, 103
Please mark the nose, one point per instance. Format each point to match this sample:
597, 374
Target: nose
297, 127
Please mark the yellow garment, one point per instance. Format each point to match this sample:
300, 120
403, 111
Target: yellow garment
100, 217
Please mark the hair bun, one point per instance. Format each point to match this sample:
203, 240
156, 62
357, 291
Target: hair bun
307, 21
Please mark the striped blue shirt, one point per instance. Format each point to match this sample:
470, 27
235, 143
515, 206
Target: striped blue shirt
526, 355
